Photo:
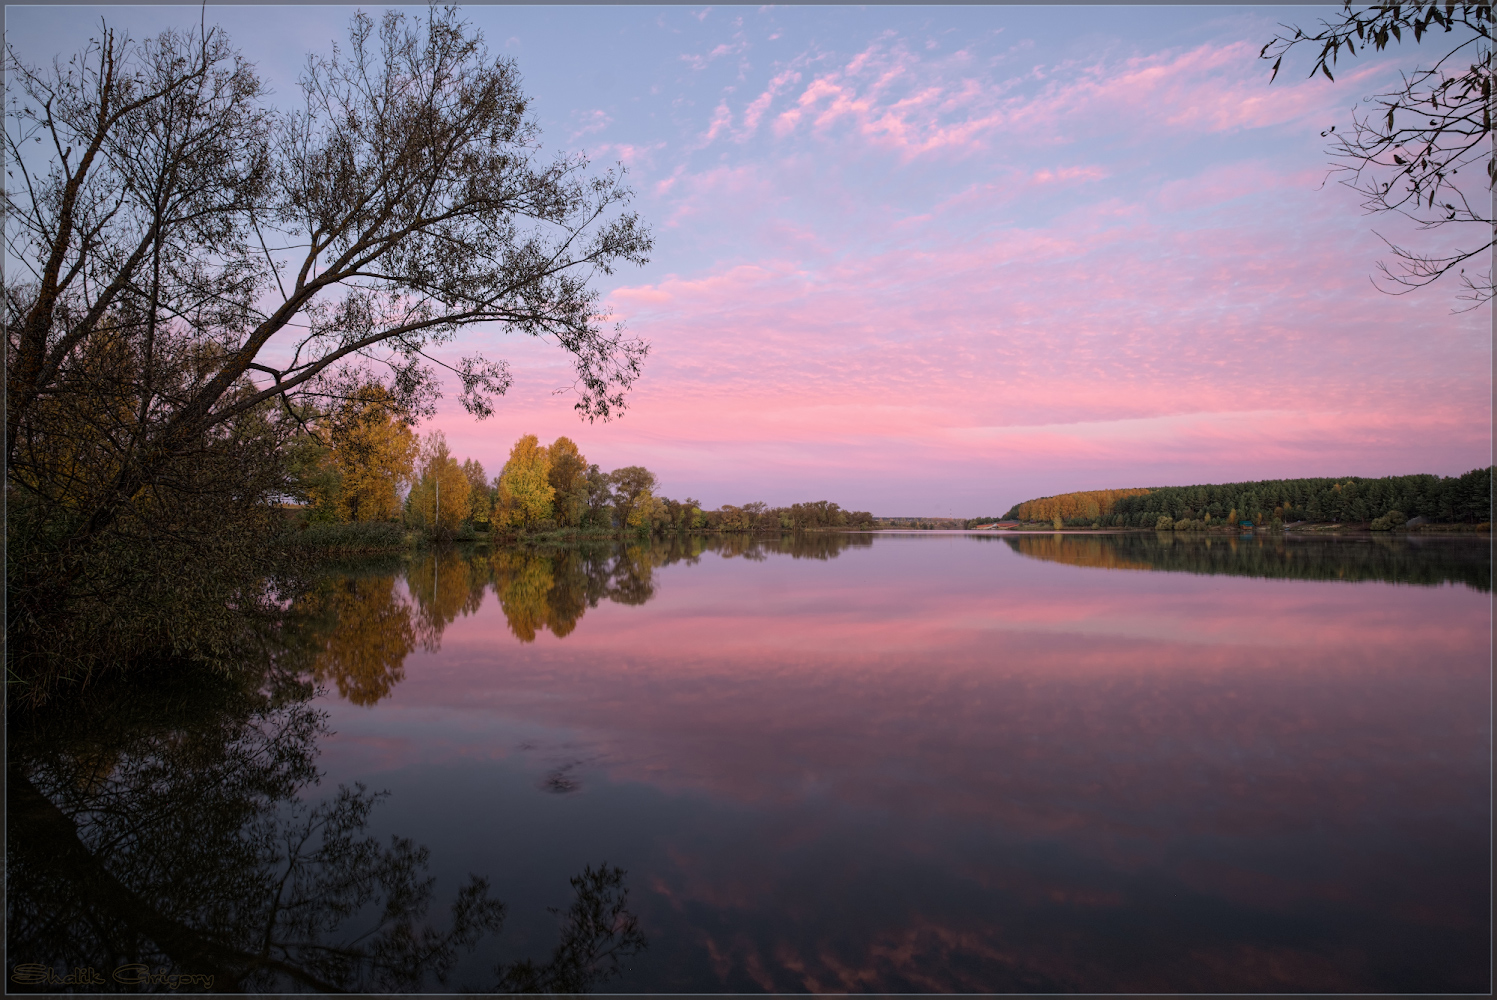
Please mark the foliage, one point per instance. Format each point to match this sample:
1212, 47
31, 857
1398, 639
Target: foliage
1389, 521
1085, 505
373, 451
525, 494
568, 476
797, 517
438, 503
634, 496
183, 568
1466, 498
1405, 156
169, 236
365, 536
480, 493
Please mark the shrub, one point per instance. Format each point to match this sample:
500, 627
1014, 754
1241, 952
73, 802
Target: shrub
353, 536
1389, 521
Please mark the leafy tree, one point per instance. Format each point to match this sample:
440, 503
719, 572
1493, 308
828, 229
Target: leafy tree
1084, 506
439, 501
525, 493
1466, 498
184, 259
634, 495
599, 498
374, 453
480, 493
1405, 155
568, 477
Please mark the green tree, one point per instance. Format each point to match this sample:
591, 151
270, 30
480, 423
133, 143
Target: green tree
568, 477
634, 495
480, 494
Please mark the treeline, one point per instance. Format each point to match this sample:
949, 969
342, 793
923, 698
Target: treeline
1408, 560
362, 463
1350, 499
921, 523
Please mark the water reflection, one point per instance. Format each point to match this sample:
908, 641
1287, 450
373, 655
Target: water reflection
942, 765
362, 632
1401, 559
362, 623
158, 841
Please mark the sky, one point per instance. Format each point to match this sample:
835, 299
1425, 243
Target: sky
937, 261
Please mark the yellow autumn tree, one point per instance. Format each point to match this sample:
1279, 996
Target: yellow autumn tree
439, 500
1090, 504
373, 453
525, 493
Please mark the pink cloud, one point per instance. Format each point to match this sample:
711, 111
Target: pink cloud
754, 113
588, 122
1061, 174
896, 98
1177, 338
1019, 323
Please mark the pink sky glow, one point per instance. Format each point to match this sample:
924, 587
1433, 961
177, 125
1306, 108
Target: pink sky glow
941, 261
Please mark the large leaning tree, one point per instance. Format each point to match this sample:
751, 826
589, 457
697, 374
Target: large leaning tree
191, 271
1422, 149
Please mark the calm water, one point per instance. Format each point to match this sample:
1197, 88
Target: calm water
920, 762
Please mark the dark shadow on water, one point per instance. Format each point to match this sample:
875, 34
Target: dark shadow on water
1395, 559
158, 840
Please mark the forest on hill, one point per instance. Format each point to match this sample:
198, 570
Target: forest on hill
1442, 499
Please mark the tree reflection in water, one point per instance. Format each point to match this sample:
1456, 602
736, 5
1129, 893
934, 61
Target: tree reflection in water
363, 632
1398, 559
159, 831
359, 628
160, 826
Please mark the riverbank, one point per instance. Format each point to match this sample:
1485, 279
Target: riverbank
361, 538
374, 537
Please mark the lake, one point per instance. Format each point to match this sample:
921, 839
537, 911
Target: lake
888, 762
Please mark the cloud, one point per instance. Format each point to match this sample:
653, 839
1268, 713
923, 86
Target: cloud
628, 154
1126, 285
917, 103
588, 122
1061, 174
700, 62
754, 113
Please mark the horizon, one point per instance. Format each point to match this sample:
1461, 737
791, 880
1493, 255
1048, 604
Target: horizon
955, 259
